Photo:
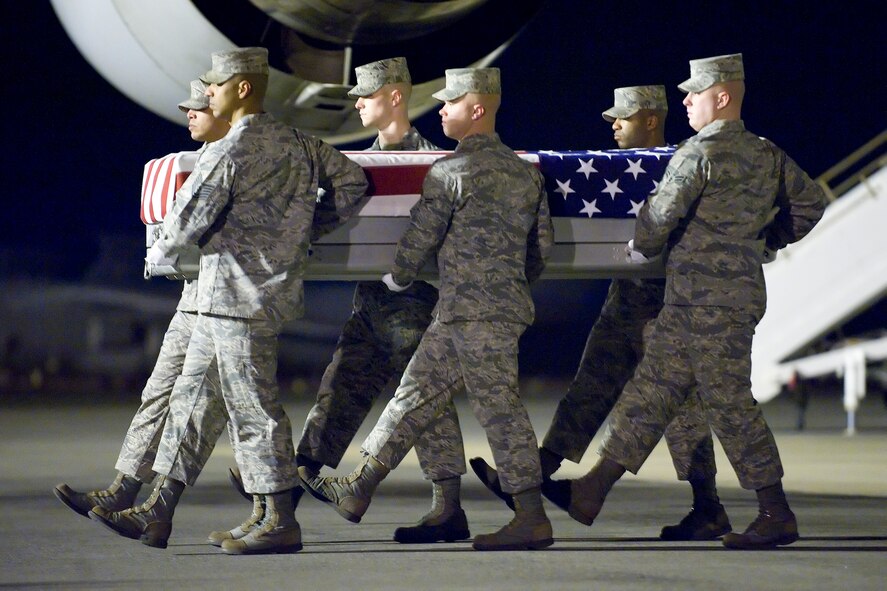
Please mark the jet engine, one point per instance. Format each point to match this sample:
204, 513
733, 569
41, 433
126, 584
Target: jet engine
151, 50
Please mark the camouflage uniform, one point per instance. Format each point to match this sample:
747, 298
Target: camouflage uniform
484, 213
411, 141
376, 343
139, 450
253, 209
615, 346
710, 215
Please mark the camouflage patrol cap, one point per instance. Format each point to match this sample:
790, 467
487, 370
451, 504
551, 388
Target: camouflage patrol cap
628, 100
708, 71
461, 81
198, 100
244, 60
374, 75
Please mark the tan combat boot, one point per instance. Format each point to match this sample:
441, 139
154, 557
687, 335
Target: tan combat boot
349, 495
119, 495
278, 533
150, 522
530, 528
583, 498
217, 537
549, 461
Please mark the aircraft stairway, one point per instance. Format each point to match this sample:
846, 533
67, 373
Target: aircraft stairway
822, 281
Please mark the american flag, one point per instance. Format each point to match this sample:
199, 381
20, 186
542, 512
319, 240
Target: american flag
161, 179
583, 184
601, 183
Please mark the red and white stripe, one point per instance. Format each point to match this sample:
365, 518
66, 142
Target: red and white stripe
161, 179
395, 181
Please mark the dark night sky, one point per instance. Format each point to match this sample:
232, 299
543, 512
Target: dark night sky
74, 147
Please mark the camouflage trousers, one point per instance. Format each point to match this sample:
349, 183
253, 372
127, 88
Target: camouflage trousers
710, 348
479, 358
244, 353
375, 346
139, 450
614, 347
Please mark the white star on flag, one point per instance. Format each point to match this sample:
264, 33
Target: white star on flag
655, 186
612, 188
635, 207
634, 167
563, 188
590, 208
586, 167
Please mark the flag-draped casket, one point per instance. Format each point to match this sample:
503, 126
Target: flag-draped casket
594, 197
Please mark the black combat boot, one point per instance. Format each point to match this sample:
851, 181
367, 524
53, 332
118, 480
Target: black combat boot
703, 522
775, 524
445, 522
707, 519
119, 495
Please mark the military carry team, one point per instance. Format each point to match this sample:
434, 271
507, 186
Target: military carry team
666, 356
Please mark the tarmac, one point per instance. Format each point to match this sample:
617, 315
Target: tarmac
837, 485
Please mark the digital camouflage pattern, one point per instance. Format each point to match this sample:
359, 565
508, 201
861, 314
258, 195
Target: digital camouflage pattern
712, 210
411, 140
251, 208
613, 350
628, 100
188, 301
244, 354
256, 199
140, 444
708, 347
373, 76
198, 100
375, 346
480, 359
709, 71
139, 449
484, 213
243, 60
710, 215
461, 81
195, 418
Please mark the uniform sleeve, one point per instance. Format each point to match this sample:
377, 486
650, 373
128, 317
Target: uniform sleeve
199, 204
343, 187
800, 202
429, 222
540, 239
682, 184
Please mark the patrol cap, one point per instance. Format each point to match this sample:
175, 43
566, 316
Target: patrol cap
374, 75
708, 71
461, 81
244, 60
198, 100
628, 100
